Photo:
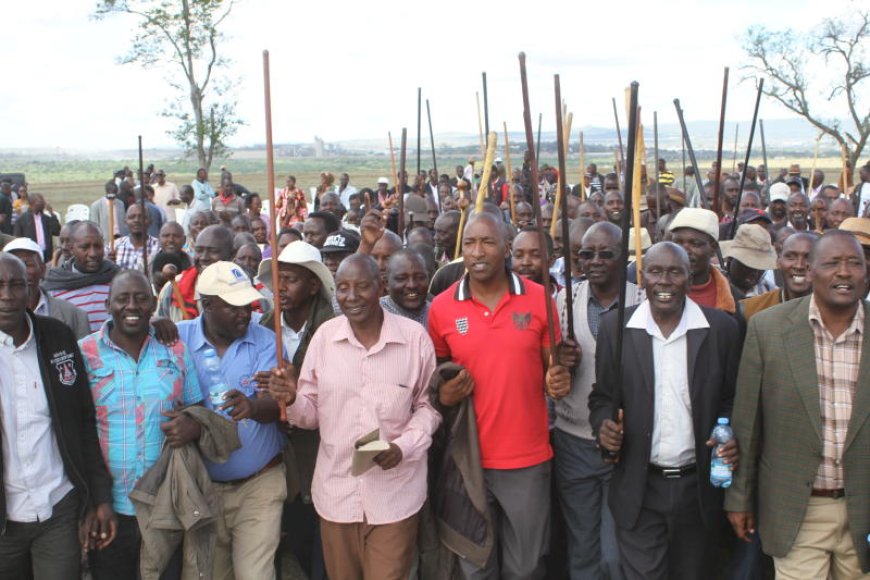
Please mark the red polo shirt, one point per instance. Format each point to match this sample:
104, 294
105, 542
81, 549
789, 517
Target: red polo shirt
502, 351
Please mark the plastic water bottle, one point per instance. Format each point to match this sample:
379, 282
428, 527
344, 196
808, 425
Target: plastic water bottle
720, 472
217, 385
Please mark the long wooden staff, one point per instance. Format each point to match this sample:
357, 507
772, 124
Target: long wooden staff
533, 165
564, 119
480, 125
273, 230
142, 214
623, 266
733, 228
509, 175
691, 152
538, 147
485, 106
400, 186
393, 167
566, 244
482, 189
111, 197
716, 178
815, 160
463, 212
683, 142
844, 171
419, 120
432, 142
656, 162
616, 164
636, 193
582, 149
734, 159
618, 135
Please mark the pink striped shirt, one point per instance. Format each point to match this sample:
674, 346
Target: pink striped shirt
91, 299
347, 392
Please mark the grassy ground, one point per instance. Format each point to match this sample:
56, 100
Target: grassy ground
68, 182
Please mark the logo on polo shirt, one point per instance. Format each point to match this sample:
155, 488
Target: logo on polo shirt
462, 325
522, 320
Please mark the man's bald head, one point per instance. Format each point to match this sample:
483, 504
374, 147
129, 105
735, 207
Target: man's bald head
652, 255
606, 231
492, 219
84, 228
361, 263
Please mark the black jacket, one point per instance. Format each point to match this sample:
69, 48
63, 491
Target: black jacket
25, 227
712, 354
72, 414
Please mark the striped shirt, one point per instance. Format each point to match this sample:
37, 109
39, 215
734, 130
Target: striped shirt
347, 392
129, 397
91, 299
129, 257
837, 362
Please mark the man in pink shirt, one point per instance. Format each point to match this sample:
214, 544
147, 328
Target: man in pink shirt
368, 522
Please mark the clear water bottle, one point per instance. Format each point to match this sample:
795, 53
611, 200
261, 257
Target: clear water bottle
217, 385
720, 472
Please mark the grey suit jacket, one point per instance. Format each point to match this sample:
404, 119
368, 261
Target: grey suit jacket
72, 316
777, 421
100, 215
712, 356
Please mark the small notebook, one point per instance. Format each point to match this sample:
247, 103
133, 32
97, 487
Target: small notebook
365, 450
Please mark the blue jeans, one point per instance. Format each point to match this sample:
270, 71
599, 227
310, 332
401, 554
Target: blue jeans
582, 479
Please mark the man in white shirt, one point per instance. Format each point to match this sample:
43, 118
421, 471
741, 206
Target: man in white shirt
679, 371
166, 195
53, 472
345, 190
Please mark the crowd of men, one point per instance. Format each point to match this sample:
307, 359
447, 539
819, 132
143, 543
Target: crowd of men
436, 411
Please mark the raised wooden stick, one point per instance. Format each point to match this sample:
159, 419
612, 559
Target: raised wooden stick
393, 166
562, 146
716, 179
509, 174
432, 142
583, 168
273, 230
400, 186
533, 166
482, 189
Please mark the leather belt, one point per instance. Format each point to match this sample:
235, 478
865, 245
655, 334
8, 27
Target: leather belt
272, 463
673, 472
829, 493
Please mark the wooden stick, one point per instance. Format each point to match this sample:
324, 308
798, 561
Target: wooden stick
636, 192
419, 120
582, 149
463, 211
733, 228
111, 222
533, 166
509, 174
400, 187
618, 136
717, 177
623, 266
844, 173
176, 293
393, 166
538, 149
616, 163
562, 146
273, 231
480, 127
482, 189
144, 209
432, 142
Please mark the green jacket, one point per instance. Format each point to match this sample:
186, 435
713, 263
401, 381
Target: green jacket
777, 422
301, 455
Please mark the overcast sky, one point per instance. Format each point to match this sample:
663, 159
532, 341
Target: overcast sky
346, 69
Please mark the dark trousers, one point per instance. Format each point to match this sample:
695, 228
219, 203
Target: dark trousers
302, 527
48, 549
120, 559
669, 539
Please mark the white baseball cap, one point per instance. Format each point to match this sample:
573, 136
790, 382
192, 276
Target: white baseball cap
23, 244
383, 180
696, 218
228, 282
779, 192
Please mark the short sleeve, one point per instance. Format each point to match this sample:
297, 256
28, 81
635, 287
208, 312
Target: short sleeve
439, 341
192, 391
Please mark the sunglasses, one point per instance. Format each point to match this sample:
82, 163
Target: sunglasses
585, 254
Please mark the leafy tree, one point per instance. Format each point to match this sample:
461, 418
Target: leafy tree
837, 48
186, 37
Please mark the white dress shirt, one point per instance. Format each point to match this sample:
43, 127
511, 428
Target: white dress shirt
33, 474
673, 436
291, 338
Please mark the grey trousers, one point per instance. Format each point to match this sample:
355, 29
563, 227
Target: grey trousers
519, 502
50, 548
582, 479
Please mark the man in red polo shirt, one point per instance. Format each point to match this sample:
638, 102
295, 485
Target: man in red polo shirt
494, 324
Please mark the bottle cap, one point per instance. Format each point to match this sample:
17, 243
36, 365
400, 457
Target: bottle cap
722, 421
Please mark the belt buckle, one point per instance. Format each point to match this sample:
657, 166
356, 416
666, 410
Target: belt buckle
672, 473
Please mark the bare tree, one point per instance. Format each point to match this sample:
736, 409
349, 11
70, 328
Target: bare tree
187, 36
788, 59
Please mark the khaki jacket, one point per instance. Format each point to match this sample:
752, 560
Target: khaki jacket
174, 500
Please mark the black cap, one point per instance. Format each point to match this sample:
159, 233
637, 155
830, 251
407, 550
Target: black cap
341, 241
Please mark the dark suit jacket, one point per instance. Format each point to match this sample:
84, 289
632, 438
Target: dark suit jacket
713, 355
777, 421
25, 227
